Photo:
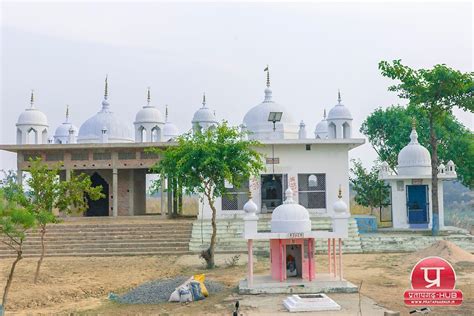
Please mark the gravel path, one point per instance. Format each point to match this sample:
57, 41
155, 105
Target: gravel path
159, 291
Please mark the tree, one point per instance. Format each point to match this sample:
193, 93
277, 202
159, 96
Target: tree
48, 192
436, 92
388, 132
370, 191
203, 162
15, 220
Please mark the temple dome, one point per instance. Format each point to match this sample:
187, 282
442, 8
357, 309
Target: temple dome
414, 159
170, 130
256, 120
32, 116
339, 111
63, 130
149, 114
321, 130
204, 114
290, 217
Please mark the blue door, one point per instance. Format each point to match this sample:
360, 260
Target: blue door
417, 204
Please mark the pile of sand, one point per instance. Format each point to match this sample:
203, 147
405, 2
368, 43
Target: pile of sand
444, 249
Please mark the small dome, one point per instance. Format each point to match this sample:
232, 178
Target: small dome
170, 130
32, 116
149, 114
290, 217
340, 207
321, 130
63, 130
414, 159
339, 111
250, 206
204, 114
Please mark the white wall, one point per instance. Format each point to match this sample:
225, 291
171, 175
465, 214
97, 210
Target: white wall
330, 159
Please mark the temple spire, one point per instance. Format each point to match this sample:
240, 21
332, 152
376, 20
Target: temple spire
148, 98
324, 115
32, 99
204, 100
67, 113
166, 113
106, 89
339, 96
339, 195
267, 69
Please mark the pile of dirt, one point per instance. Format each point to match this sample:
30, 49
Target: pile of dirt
444, 249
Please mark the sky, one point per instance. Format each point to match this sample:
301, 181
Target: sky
63, 50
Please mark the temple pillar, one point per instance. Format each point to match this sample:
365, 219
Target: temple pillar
334, 256
131, 193
115, 192
340, 259
250, 262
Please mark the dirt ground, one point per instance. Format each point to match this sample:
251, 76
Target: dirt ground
81, 285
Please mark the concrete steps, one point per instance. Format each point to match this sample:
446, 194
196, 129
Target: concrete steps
108, 239
229, 236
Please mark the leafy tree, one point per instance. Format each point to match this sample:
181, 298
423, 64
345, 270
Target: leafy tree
47, 192
202, 163
388, 130
370, 191
15, 220
436, 92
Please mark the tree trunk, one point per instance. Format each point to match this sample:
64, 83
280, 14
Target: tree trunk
210, 262
434, 178
10, 277
40, 261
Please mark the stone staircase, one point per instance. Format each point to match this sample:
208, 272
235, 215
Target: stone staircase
109, 239
229, 236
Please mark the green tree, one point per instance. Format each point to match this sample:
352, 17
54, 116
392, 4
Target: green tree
15, 220
436, 92
388, 130
370, 191
203, 162
48, 192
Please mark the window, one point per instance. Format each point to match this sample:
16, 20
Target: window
54, 156
236, 197
148, 155
102, 156
126, 155
79, 155
312, 190
273, 187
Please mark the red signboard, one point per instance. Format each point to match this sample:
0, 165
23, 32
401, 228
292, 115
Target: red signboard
433, 282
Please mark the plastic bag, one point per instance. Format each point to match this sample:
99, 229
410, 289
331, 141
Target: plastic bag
201, 278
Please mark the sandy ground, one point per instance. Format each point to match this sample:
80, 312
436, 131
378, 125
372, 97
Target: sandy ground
70, 285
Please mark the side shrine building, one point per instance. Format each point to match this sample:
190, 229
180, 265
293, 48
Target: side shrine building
114, 153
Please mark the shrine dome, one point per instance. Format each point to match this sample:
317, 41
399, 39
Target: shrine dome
321, 130
256, 119
290, 217
414, 159
203, 118
32, 116
170, 130
91, 131
339, 111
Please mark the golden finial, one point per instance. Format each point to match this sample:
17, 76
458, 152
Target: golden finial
106, 90
340, 192
148, 98
32, 98
249, 194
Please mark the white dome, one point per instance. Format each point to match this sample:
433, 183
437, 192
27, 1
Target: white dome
321, 129
340, 207
256, 119
414, 159
117, 131
170, 130
290, 217
339, 111
63, 130
149, 114
32, 116
250, 206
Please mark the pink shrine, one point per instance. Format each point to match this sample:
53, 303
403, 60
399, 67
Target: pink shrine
292, 244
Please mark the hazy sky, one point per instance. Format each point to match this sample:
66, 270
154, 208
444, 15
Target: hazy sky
64, 50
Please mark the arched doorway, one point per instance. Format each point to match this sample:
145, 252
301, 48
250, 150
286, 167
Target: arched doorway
99, 207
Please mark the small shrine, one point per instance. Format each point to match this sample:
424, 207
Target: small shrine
292, 244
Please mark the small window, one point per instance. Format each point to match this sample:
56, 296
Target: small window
102, 156
400, 186
149, 155
125, 155
308, 147
79, 155
54, 156
312, 190
236, 197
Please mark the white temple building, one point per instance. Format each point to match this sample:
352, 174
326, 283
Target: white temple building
411, 186
114, 153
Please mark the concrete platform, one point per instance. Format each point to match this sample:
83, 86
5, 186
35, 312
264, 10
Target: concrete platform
324, 283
